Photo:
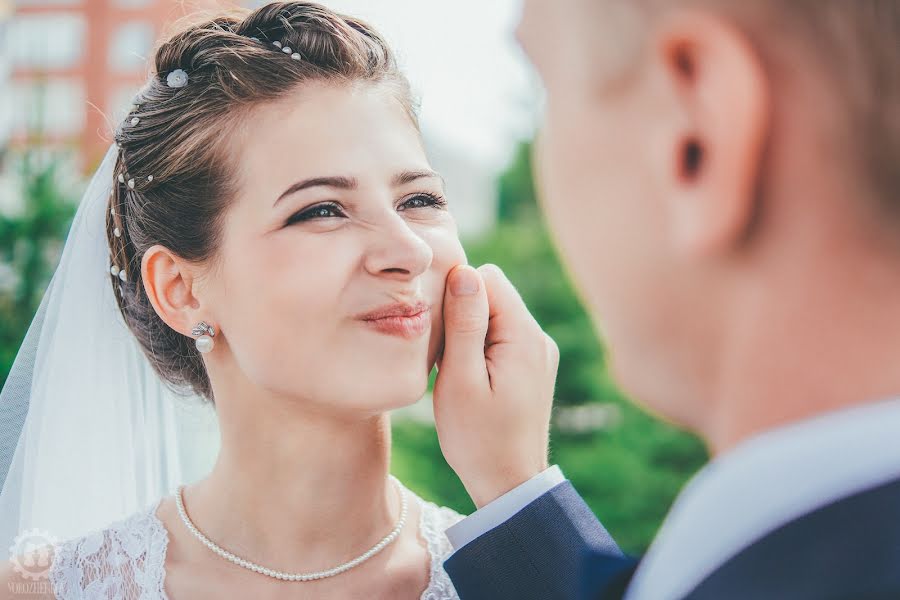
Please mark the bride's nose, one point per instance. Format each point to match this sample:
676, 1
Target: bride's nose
397, 250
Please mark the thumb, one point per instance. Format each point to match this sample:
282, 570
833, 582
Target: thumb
465, 326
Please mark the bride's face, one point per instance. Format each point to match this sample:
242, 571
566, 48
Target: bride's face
339, 215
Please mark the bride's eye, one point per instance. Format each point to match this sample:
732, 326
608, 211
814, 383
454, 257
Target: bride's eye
424, 200
321, 211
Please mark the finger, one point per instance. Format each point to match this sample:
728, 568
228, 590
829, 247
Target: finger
465, 326
509, 317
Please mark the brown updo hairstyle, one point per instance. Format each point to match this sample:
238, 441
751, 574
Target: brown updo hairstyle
175, 174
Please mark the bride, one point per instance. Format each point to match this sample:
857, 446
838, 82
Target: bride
271, 239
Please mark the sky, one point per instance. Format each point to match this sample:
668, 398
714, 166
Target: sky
476, 88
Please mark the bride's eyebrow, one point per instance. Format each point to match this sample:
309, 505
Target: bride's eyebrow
349, 183
409, 176
337, 181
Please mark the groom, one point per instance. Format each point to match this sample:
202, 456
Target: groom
723, 179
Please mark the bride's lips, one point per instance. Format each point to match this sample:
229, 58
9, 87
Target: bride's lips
400, 319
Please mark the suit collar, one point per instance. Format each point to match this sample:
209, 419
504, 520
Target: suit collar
764, 483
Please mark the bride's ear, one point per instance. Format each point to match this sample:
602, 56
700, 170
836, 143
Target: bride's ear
169, 284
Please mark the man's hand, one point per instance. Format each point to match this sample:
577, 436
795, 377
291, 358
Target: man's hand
494, 390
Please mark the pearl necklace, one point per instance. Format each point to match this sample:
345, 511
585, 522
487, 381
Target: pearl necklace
297, 576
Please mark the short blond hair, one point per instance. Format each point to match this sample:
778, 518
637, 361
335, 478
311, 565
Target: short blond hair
857, 43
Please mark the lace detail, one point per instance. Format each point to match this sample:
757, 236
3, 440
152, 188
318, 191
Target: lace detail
126, 560
432, 524
122, 562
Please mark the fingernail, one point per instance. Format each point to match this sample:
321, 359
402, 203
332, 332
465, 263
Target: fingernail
464, 282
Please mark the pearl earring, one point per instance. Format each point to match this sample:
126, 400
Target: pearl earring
206, 332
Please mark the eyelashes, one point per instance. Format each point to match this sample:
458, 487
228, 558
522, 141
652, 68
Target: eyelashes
430, 199
320, 211
331, 209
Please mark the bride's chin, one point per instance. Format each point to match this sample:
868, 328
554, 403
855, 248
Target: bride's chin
401, 398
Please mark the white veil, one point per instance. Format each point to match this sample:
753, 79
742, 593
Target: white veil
88, 431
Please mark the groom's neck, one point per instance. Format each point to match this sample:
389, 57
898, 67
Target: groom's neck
815, 342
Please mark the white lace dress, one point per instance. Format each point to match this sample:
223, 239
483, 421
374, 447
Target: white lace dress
125, 560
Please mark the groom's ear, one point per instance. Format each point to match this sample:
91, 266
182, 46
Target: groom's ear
168, 282
714, 145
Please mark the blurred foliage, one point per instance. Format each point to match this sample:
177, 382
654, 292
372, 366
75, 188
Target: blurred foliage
516, 196
524, 251
628, 476
30, 242
629, 471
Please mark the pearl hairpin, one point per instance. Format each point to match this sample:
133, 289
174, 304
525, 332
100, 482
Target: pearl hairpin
130, 182
177, 79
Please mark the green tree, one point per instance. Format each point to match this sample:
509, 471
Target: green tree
516, 199
524, 251
630, 470
28, 244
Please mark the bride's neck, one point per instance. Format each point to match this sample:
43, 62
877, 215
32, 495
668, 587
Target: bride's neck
293, 488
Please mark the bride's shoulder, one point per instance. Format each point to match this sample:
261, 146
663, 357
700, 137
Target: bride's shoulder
95, 561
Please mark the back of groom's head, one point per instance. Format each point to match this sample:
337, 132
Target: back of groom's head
856, 44
722, 179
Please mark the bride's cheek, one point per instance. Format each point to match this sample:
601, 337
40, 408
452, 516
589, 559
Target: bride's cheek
446, 246
448, 252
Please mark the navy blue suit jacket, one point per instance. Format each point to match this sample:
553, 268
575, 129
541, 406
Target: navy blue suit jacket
556, 549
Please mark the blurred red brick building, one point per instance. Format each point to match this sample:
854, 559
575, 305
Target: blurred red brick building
74, 65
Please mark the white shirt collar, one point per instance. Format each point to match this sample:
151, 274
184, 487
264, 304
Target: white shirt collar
764, 483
